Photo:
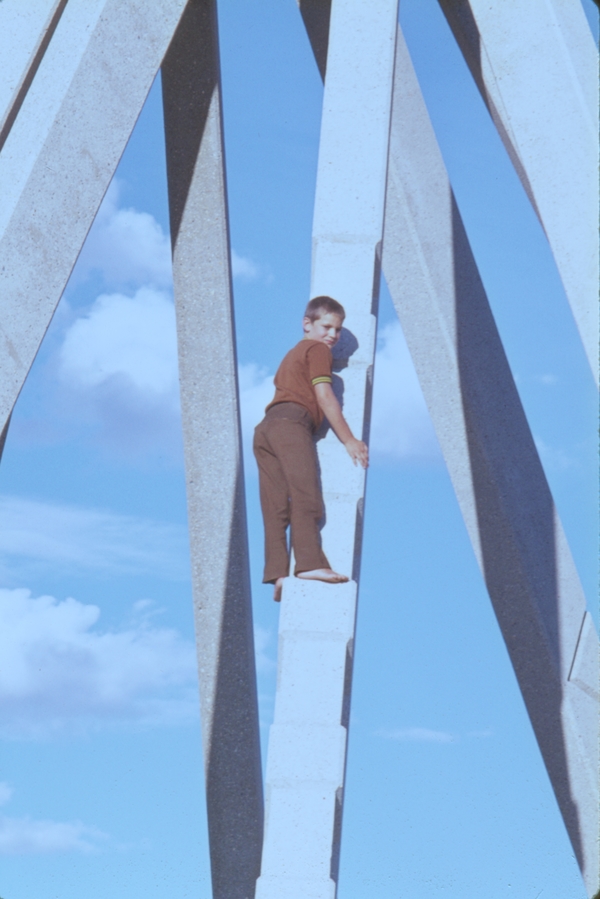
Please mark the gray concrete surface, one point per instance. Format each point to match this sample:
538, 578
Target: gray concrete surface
25, 32
213, 455
498, 478
493, 462
307, 743
536, 66
60, 155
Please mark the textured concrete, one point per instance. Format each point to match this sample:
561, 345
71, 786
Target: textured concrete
25, 31
536, 66
307, 745
213, 456
493, 463
60, 155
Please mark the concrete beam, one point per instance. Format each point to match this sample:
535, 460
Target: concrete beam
60, 155
307, 745
536, 67
498, 478
213, 454
493, 462
25, 32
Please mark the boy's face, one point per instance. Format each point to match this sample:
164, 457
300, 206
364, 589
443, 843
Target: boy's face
326, 329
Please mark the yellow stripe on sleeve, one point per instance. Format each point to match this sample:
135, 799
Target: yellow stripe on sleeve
323, 379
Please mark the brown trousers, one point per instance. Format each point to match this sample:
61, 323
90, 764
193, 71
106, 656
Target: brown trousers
290, 493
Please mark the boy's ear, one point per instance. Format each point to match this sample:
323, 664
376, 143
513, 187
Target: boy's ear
306, 322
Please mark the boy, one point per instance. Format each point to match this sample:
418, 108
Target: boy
284, 447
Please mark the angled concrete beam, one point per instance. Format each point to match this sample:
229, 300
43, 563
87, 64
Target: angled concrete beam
25, 32
536, 67
213, 455
60, 155
493, 462
307, 743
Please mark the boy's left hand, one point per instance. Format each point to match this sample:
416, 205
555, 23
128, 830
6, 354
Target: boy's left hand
358, 451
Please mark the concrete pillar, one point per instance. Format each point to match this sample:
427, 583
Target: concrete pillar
491, 456
25, 32
536, 66
307, 745
60, 155
213, 455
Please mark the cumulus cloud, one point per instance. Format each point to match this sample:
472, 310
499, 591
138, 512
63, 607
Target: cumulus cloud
59, 671
417, 735
26, 836
118, 366
35, 534
243, 267
401, 428
130, 338
127, 247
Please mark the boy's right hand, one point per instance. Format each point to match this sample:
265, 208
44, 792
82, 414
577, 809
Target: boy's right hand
358, 451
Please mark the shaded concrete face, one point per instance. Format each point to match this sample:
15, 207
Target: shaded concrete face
213, 457
72, 126
493, 462
307, 744
536, 67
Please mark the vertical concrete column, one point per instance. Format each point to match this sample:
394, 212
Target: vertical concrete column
307, 745
213, 455
536, 66
493, 462
79, 97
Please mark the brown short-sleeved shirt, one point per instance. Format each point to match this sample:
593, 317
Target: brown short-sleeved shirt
305, 366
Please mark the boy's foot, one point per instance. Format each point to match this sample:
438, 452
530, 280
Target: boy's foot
278, 589
323, 574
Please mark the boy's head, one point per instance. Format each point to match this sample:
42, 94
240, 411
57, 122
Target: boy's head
323, 320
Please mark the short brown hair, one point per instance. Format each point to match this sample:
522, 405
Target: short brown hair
320, 305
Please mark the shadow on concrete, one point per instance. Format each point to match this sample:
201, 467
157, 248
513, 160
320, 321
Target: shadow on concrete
233, 776
460, 18
316, 15
515, 517
190, 77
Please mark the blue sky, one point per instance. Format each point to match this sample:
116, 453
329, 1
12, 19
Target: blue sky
101, 768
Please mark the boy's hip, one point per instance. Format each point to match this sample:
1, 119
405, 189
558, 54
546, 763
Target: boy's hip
289, 412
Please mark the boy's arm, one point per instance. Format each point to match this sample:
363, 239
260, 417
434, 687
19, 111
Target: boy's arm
327, 400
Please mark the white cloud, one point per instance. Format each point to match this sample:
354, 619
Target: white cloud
417, 735
400, 426
127, 247
26, 836
262, 639
131, 338
118, 369
35, 534
243, 267
59, 671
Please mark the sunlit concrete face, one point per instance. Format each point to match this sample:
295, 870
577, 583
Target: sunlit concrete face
307, 745
70, 131
536, 66
493, 462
